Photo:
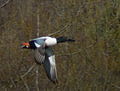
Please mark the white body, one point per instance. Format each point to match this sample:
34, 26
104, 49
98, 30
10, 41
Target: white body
49, 41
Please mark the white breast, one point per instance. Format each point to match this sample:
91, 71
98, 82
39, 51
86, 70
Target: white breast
50, 41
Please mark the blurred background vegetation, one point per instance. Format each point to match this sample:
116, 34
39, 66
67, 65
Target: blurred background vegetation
92, 63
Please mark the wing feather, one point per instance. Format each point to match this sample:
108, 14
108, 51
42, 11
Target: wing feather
40, 54
50, 65
47, 57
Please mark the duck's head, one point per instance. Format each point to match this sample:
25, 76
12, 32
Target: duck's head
25, 45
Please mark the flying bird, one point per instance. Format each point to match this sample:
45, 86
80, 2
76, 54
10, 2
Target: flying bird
44, 53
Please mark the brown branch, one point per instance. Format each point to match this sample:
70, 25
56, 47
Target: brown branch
13, 82
116, 86
37, 66
3, 5
26, 85
38, 24
61, 30
76, 52
29, 70
37, 78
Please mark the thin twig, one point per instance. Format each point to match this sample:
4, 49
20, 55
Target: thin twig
11, 21
5, 4
13, 82
61, 30
29, 70
76, 52
116, 86
26, 85
37, 66
6, 89
37, 76
68, 54
38, 24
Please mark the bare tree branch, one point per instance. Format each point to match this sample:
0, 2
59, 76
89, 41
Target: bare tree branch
3, 5
76, 52
12, 81
38, 24
37, 66
37, 76
26, 85
116, 86
29, 70
61, 30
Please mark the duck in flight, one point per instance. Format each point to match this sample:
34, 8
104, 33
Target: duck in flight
44, 53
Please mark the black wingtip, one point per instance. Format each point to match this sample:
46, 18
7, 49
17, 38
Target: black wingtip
55, 82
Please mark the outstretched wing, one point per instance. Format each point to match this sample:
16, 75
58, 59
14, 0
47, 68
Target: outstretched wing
40, 51
49, 65
40, 55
